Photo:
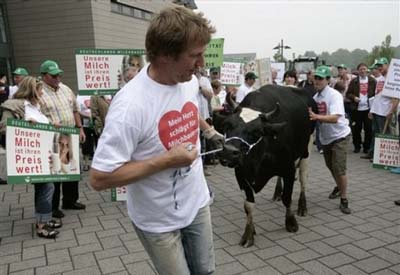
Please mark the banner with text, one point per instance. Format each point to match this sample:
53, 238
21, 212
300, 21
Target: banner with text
387, 152
214, 53
41, 153
280, 69
231, 73
392, 82
118, 193
105, 71
264, 71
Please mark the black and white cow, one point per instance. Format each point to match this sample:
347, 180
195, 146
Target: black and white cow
267, 134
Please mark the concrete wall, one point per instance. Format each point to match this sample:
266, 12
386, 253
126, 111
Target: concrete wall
49, 29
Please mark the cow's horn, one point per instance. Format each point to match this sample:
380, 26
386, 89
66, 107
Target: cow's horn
273, 113
230, 101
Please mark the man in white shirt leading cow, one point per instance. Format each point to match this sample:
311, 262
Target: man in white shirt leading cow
334, 133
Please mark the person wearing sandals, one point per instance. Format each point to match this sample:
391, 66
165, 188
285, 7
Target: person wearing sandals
28, 95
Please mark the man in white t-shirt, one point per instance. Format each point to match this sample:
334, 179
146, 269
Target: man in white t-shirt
382, 107
334, 132
151, 144
246, 87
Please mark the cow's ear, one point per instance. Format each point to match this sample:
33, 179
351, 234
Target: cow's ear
273, 128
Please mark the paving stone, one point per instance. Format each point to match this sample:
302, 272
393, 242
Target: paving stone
370, 243
303, 255
336, 260
87, 271
87, 238
23, 272
33, 252
222, 257
354, 251
140, 268
372, 264
54, 269
385, 272
230, 269
283, 265
8, 249
262, 271
84, 261
32, 263
270, 252
290, 244
337, 240
60, 245
112, 252
58, 256
111, 265
315, 267
321, 248
250, 261
83, 249
350, 270
387, 255
10, 259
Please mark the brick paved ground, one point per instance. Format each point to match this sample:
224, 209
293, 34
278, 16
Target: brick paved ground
100, 240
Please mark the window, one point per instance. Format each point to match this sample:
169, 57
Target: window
130, 11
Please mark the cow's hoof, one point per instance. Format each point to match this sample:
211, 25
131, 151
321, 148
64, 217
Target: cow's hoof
302, 212
291, 224
247, 239
277, 197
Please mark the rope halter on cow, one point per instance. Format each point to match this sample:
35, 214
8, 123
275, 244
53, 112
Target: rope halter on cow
245, 142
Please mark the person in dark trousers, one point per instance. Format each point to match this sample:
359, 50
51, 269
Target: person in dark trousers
360, 90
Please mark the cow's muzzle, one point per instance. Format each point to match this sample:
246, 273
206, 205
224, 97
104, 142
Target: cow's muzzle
230, 156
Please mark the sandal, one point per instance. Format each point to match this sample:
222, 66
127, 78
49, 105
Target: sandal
54, 224
47, 232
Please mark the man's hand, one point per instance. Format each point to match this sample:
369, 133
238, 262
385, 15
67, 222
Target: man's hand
215, 139
182, 155
313, 116
82, 136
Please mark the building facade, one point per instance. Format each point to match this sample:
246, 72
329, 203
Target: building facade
32, 31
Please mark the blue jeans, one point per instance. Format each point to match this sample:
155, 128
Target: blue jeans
186, 251
378, 123
43, 201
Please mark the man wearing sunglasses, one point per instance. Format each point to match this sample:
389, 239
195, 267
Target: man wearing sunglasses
59, 104
334, 132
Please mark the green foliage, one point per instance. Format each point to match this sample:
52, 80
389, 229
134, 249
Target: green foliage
353, 58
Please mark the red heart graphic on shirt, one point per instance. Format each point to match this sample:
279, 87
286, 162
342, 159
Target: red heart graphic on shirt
322, 110
176, 127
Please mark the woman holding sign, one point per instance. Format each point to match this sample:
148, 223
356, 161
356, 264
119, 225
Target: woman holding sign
30, 91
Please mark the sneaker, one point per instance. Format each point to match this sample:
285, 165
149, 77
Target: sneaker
344, 206
335, 193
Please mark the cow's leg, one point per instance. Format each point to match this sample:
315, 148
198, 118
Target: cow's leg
247, 239
303, 171
290, 219
278, 190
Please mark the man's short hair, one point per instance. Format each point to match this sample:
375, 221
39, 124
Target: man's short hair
174, 30
250, 75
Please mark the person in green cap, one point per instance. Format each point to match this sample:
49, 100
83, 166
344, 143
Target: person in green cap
18, 75
334, 132
59, 105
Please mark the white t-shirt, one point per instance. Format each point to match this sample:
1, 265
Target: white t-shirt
13, 90
382, 104
363, 104
84, 107
330, 102
205, 84
145, 119
242, 92
32, 112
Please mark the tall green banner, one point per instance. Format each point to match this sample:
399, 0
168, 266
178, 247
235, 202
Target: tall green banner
214, 53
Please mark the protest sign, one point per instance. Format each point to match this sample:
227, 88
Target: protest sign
264, 71
118, 194
214, 53
41, 153
103, 71
231, 73
280, 69
387, 152
391, 87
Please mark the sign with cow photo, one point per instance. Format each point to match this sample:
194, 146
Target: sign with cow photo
105, 71
39, 153
386, 152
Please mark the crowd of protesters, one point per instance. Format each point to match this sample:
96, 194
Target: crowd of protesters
352, 103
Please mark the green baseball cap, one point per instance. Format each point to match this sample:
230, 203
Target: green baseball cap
21, 71
323, 71
250, 75
381, 61
341, 66
50, 67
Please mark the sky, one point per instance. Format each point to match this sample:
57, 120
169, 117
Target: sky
259, 25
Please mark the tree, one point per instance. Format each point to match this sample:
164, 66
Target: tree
385, 50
